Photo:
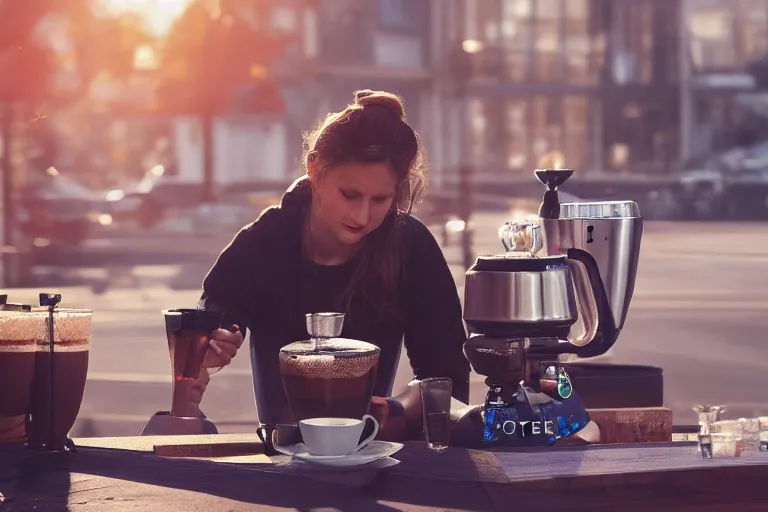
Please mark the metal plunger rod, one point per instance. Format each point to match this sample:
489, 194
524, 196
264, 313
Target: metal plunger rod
52, 386
51, 300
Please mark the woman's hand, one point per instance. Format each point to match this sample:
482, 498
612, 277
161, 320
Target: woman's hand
196, 392
224, 346
391, 415
380, 410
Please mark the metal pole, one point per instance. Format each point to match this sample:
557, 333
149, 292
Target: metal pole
466, 190
686, 84
207, 119
462, 70
7, 185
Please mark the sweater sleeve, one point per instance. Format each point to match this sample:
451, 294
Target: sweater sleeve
231, 284
434, 329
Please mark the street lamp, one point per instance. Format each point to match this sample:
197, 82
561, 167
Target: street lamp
472, 46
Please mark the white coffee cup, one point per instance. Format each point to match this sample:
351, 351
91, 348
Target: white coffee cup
336, 436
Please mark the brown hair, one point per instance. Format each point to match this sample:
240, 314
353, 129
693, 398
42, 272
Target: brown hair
374, 129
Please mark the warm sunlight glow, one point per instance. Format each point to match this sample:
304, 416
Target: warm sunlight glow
145, 58
159, 14
552, 160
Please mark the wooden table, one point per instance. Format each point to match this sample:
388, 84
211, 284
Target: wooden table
119, 474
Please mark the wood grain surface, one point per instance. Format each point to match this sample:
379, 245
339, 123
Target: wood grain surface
124, 474
633, 425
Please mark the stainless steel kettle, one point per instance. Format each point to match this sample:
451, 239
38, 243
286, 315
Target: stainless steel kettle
517, 293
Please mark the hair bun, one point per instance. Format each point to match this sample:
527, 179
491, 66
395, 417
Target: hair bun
385, 100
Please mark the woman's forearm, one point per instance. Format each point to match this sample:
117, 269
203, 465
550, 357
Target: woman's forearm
408, 422
404, 411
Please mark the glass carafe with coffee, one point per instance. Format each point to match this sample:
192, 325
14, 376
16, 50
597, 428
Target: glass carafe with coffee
328, 382
44, 353
189, 334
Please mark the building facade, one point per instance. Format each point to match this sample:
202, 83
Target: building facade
589, 84
598, 85
725, 37
345, 45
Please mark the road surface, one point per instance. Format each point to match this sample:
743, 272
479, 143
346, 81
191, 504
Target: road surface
699, 312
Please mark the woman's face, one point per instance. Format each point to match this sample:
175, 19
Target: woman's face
352, 199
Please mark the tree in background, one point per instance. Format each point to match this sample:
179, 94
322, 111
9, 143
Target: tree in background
39, 38
214, 55
41, 41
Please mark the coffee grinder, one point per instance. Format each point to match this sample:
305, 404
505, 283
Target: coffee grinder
563, 286
189, 334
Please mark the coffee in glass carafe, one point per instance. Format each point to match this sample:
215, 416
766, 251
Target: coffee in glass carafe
326, 376
44, 355
18, 347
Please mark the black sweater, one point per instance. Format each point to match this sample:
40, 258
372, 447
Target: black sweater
265, 284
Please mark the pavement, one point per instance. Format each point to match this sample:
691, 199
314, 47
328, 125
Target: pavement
698, 312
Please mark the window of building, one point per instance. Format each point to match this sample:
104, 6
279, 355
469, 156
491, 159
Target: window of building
478, 139
397, 50
530, 132
581, 68
670, 40
487, 136
640, 41
516, 134
576, 126
400, 14
753, 32
471, 20
504, 29
545, 128
632, 46
547, 48
515, 36
712, 38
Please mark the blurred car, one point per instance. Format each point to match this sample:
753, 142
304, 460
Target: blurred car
54, 209
730, 185
149, 201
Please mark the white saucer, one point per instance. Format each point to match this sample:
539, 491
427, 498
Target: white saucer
376, 450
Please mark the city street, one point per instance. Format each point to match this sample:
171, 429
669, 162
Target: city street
701, 291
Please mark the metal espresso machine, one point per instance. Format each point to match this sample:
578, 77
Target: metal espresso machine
563, 286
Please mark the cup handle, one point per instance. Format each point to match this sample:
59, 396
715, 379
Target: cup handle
266, 435
371, 437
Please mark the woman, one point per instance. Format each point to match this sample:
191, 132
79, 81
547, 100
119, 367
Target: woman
342, 239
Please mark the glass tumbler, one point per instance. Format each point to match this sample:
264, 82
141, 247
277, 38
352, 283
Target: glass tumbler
436, 407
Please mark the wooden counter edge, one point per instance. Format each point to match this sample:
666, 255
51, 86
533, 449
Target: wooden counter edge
633, 425
723, 487
217, 445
